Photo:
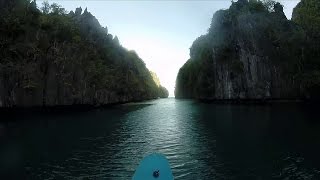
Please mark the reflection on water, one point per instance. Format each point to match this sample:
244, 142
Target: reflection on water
201, 141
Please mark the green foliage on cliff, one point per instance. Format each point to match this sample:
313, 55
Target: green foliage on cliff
162, 91
252, 51
307, 15
49, 57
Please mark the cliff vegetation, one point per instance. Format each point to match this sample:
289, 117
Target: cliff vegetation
252, 51
50, 57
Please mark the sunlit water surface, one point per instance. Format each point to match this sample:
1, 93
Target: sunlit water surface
201, 141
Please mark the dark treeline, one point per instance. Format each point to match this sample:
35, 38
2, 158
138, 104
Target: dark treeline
50, 57
251, 51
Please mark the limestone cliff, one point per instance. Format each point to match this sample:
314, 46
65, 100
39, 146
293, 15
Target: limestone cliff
50, 58
249, 52
163, 92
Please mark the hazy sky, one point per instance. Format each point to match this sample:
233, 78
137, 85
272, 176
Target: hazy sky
161, 32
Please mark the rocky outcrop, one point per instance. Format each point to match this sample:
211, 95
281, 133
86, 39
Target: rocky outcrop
248, 53
53, 59
163, 92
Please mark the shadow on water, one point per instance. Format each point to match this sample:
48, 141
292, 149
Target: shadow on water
274, 141
49, 135
12, 114
201, 141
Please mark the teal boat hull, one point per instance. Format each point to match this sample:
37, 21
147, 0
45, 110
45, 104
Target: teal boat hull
153, 167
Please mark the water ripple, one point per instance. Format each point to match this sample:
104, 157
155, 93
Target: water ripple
200, 142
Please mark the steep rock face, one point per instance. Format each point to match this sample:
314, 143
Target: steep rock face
248, 53
58, 59
253, 70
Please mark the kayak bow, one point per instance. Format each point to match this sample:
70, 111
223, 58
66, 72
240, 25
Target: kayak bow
153, 167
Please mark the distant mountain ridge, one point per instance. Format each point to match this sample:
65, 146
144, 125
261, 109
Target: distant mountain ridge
50, 58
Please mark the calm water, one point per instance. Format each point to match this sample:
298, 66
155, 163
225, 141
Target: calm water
201, 141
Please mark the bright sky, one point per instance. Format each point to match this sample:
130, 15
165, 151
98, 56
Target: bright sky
161, 32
